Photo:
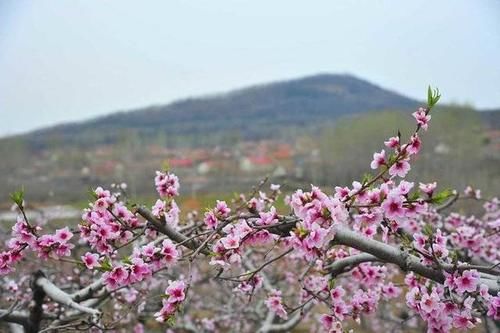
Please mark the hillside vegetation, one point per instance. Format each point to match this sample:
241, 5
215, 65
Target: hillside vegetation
262, 111
320, 129
458, 151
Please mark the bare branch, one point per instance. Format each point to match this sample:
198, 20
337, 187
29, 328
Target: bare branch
61, 296
384, 252
165, 229
289, 324
16, 317
88, 292
387, 253
16, 328
338, 266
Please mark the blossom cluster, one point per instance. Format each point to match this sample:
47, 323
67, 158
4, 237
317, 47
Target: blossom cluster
432, 247
167, 211
174, 296
46, 246
227, 250
167, 184
357, 303
442, 312
250, 286
215, 215
107, 223
318, 213
275, 303
142, 264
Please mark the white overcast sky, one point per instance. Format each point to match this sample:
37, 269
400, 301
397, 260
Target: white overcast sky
72, 60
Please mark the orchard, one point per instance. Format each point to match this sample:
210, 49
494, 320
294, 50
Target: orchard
384, 255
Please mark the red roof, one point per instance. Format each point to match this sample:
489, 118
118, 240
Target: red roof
261, 160
283, 152
180, 162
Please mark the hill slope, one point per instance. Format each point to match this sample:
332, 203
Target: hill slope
491, 118
58, 164
257, 112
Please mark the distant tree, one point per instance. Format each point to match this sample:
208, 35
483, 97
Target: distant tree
454, 153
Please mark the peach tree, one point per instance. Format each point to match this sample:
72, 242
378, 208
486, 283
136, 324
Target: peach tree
384, 254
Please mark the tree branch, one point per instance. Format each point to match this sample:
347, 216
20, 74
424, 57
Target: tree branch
390, 254
384, 252
16, 328
165, 229
61, 296
16, 317
88, 292
288, 324
338, 266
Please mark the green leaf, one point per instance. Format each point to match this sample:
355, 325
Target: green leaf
454, 256
414, 196
433, 96
127, 260
106, 265
331, 284
392, 158
428, 230
406, 241
366, 178
442, 196
18, 197
212, 254
171, 321
165, 167
91, 193
325, 212
436, 96
429, 96
301, 231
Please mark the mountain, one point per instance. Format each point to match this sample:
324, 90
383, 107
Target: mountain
257, 112
491, 118
220, 143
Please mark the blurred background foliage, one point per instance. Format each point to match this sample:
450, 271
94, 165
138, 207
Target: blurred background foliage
321, 129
